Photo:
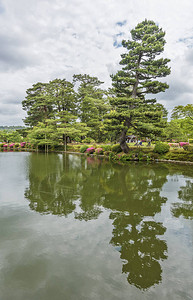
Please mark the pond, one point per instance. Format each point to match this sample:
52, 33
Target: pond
75, 227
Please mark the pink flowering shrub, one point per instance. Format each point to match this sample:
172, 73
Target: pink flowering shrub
90, 150
22, 144
173, 145
183, 144
11, 145
99, 151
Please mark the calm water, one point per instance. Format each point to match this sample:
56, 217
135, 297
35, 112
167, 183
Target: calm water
80, 228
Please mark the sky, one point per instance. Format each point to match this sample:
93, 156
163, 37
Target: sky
41, 40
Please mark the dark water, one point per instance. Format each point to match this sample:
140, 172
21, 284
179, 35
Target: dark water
80, 228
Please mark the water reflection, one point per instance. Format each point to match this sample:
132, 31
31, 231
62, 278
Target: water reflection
62, 185
184, 208
135, 231
51, 185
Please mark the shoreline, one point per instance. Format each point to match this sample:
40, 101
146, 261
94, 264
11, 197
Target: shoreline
156, 160
107, 157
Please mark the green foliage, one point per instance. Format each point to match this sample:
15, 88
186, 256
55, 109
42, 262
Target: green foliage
99, 151
126, 157
92, 105
73, 148
175, 130
129, 107
179, 156
83, 148
188, 148
191, 141
59, 147
76, 110
116, 148
184, 114
10, 136
88, 140
161, 148
44, 100
182, 111
106, 147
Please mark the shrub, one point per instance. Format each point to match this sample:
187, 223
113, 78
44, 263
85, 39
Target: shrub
83, 148
107, 153
106, 147
116, 148
88, 140
74, 148
161, 148
90, 150
188, 148
174, 145
99, 151
126, 157
112, 156
179, 156
183, 144
191, 141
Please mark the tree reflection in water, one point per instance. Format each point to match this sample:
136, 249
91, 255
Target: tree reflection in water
63, 184
184, 208
135, 233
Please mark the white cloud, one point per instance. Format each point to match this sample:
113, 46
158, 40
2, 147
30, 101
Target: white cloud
43, 39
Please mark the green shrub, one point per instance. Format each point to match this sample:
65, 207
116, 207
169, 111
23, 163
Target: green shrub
107, 153
116, 148
113, 156
183, 156
191, 141
88, 140
188, 148
126, 157
73, 148
161, 148
106, 147
83, 148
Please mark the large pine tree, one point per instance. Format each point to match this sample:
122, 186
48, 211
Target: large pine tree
138, 77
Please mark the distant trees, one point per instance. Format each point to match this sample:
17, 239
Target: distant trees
183, 115
10, 136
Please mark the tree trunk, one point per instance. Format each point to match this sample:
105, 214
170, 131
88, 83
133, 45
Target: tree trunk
65, 142
122, 141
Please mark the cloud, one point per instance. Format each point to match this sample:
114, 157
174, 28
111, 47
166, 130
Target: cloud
43, 39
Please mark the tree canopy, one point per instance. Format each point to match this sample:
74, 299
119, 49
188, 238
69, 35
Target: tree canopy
131, 109
183, 114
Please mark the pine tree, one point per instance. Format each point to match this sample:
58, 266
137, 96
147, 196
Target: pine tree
140, 68
92, 104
